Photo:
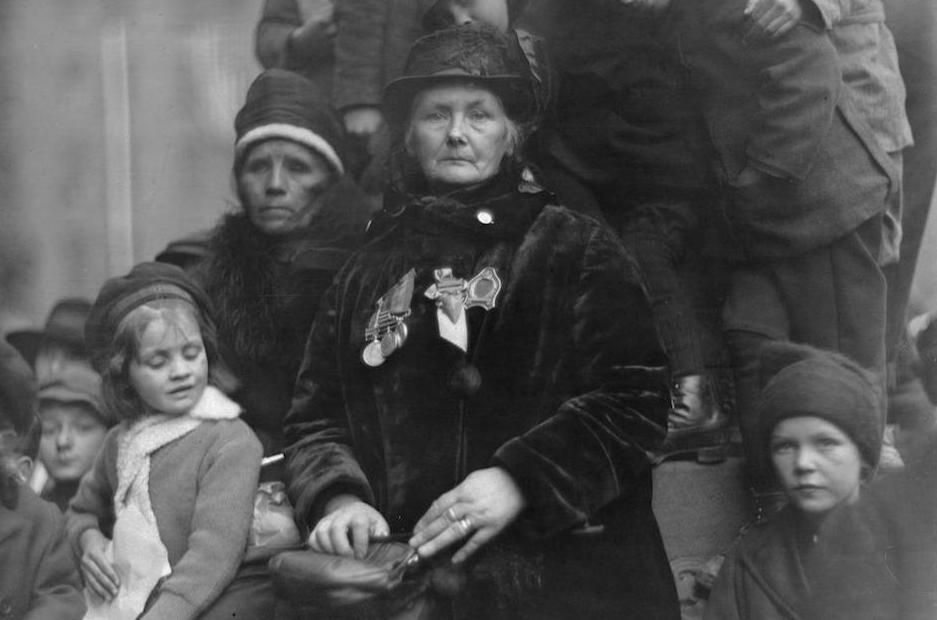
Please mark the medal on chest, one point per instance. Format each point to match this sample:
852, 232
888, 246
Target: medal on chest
453, 296
386, 331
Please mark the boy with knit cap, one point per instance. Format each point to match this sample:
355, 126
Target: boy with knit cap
819, 426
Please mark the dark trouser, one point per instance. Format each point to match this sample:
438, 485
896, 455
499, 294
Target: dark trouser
832, 298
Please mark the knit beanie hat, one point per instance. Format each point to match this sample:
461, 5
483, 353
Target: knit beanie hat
475, 52
17, 391
284, 104
146, 282
800, 380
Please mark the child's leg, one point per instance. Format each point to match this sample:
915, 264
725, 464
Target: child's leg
661, 236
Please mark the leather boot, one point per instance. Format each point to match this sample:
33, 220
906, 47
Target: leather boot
696, 423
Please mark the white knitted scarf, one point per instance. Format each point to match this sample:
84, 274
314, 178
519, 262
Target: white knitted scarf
149, 434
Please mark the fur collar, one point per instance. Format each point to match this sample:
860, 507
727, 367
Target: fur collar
254, 280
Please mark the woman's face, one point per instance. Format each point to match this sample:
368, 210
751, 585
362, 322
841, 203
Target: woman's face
72, 435
280, 183
170, 371
458, 133
818, 465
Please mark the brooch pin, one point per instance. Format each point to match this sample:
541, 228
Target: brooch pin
386, 331
454, 295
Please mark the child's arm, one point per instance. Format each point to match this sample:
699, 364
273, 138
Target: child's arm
220, 525
92, 504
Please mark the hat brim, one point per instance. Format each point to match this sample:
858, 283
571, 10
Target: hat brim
27, 343
516, 93
65, 394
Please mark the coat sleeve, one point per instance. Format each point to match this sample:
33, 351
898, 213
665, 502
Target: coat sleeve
320, 461
93, 503
221, 522
56, 589
596, 446
798, 79
723, 601
359, 52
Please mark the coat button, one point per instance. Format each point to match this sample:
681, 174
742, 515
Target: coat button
6, 606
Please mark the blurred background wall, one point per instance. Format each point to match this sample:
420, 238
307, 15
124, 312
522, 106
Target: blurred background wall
115, 136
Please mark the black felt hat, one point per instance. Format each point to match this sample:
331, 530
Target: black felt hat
471, 52
65, 326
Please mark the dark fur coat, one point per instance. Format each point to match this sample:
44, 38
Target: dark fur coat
569, 397
266, 292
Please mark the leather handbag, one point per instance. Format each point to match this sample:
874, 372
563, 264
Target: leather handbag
390, 582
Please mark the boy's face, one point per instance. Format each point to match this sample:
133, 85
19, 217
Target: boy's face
457, 12
72, 435
818, 465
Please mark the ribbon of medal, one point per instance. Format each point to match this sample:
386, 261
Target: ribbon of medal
386, 331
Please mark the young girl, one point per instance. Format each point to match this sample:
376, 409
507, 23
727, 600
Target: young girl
820, 422
173, 486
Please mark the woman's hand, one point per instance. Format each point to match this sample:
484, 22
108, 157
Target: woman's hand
772, 18
486, 502
99, 574
346, 527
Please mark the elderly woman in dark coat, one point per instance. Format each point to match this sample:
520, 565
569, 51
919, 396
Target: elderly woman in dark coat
270, 262
484, 373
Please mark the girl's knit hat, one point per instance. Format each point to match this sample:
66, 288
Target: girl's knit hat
284, 104
800, 380
146, 282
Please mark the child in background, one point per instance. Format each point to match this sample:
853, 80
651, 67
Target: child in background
73, 422
40, 581
820, 427
73, 428
174, 484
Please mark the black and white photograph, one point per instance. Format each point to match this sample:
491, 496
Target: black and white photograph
468, 310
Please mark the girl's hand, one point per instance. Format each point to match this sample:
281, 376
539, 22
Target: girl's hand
99, 574
486, 502
347, 526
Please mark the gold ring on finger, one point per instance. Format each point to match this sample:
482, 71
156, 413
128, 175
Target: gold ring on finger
466, 524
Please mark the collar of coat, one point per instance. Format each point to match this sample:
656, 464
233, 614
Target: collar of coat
150, 433
511, 203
